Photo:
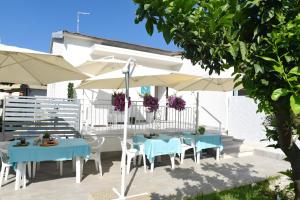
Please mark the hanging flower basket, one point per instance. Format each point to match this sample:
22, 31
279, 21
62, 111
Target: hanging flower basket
151, 103
118, 101
176, 102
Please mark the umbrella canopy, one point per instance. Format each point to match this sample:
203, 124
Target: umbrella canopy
101, 66
18, 65
206, 84
141, 76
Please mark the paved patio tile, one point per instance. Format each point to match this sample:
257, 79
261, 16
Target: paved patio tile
188, 179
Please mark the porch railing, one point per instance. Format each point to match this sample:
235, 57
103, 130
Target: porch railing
103, 118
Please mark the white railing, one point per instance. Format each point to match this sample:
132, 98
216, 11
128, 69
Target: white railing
102, 117
215, 118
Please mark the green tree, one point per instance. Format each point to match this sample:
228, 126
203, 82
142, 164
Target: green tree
71, 91
259, 38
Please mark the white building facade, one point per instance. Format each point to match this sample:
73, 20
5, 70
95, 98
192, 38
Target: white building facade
236, 114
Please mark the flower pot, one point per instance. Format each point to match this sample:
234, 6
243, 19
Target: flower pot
149, 117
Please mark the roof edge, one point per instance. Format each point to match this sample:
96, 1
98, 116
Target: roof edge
114, 43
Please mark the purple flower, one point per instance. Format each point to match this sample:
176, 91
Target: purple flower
176, 102
151, 103
119, 101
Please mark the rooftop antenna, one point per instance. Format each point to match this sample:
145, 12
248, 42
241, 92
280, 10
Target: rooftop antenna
78, 20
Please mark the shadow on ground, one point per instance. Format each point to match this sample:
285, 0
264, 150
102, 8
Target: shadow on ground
208, 177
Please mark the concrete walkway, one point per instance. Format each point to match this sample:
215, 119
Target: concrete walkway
188, 179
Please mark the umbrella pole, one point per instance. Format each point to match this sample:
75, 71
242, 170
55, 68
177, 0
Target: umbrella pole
121, 195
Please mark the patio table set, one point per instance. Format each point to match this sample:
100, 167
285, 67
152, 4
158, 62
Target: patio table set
164, 144
78, 149
21, 157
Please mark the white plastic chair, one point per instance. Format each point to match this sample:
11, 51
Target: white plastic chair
96, 143
131, 153
185, 147
5, 166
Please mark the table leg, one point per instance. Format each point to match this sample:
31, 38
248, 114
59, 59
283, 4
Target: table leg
198, 157
33, 169
218, 154
73, 164
78, 169
61, 167
29, 169
152, 166
172, 158
18, 175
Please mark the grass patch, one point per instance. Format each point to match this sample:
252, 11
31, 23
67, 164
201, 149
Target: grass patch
256, 191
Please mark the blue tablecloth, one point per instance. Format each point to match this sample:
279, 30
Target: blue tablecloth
205, 141
65, 150
161, 145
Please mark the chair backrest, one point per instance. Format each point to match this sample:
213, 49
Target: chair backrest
4, 145
4, 157
95, 142
128, 145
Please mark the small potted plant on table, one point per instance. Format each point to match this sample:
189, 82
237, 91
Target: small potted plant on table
46, 137
201, 130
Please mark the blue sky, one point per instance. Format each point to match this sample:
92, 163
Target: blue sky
29, 23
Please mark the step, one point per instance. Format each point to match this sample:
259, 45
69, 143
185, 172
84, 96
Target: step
269, 153
237, 151
227, 138
233, 144
237, 155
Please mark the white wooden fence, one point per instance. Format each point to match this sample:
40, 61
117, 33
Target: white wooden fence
33, 115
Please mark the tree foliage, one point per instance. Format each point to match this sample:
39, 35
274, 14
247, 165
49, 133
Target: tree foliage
71, 91
259, 38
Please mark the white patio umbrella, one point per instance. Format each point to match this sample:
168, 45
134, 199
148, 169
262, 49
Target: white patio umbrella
25, 66
101, 66
141, 76
134, 77
211, 83
206, 84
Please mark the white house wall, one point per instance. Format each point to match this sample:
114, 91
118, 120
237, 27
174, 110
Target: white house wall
244, 122
77, 51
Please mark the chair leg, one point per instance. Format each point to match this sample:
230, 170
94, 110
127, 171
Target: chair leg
134, 161
2, 174
33, 169
152, 167
96, 165
24, 174
99, 164
140, 160
195, 158
144, 161
182, 156
128, 163
6, 173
